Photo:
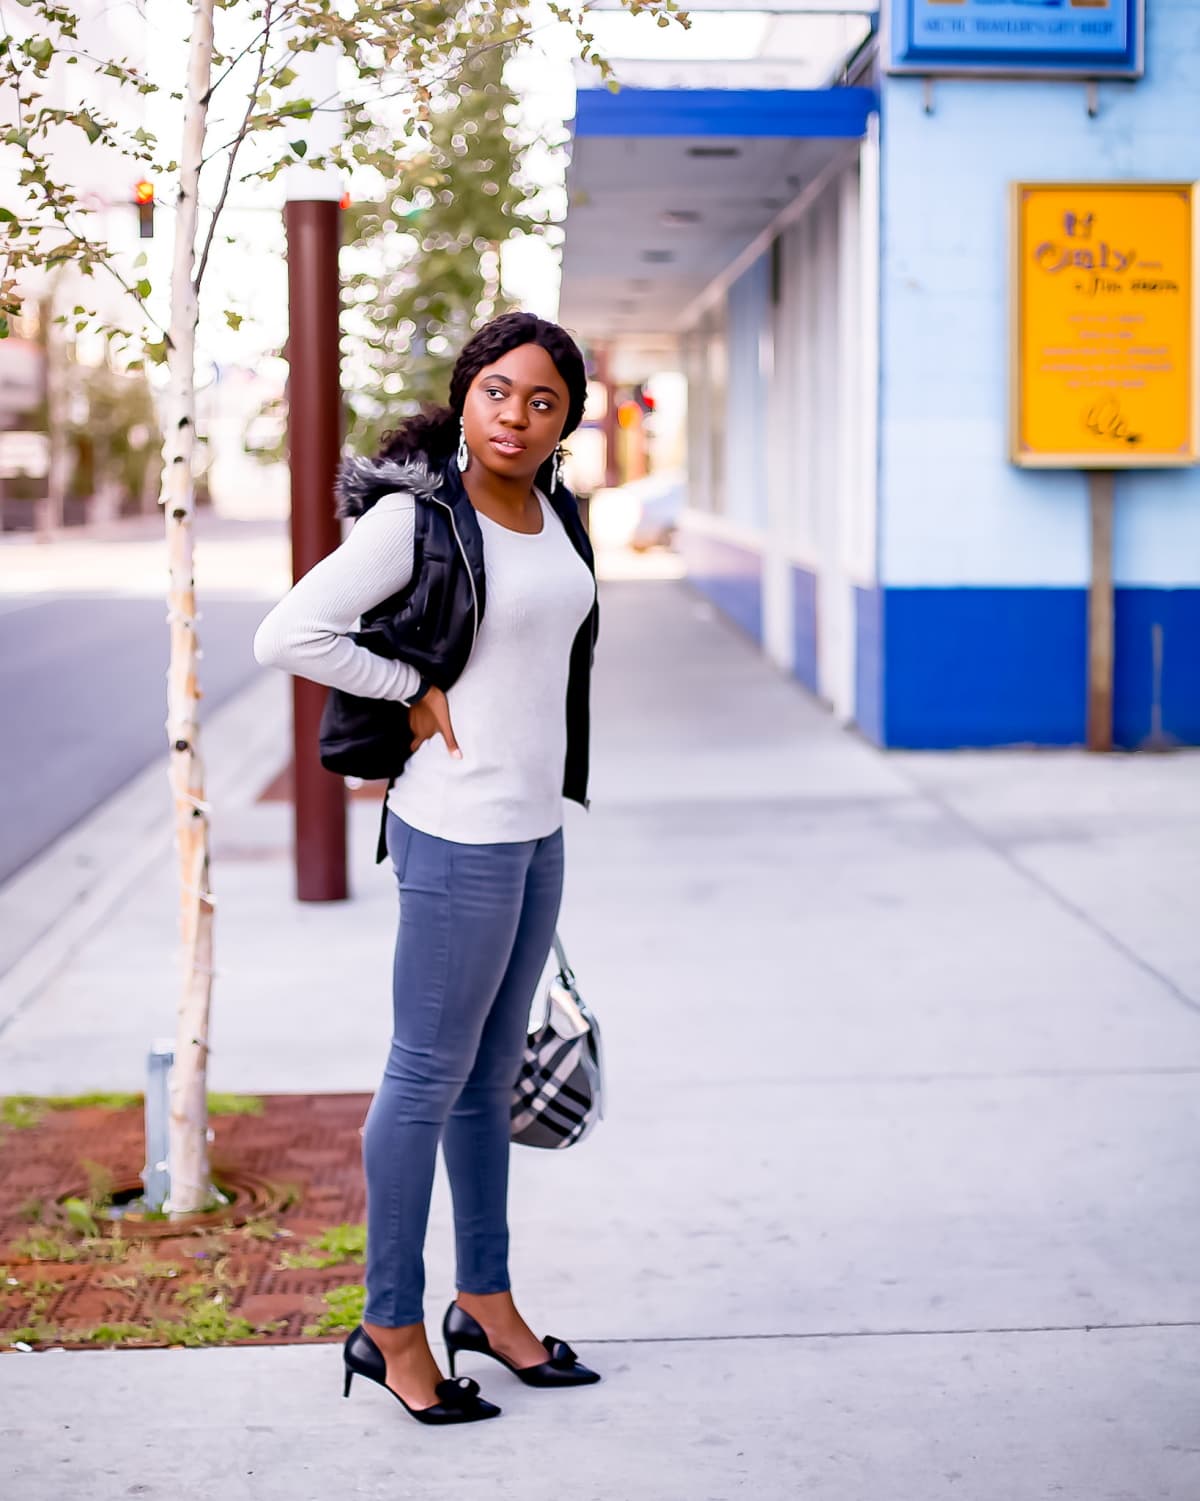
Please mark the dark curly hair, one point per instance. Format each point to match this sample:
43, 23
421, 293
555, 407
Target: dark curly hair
433, 433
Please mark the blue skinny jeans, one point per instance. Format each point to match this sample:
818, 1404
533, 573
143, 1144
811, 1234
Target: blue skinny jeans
476, 925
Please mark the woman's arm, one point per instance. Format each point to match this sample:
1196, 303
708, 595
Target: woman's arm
307, 633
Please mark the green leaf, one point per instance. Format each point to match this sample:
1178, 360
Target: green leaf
299, 147
81, 1217
7, 216
143, 289
3, 327
91, 127
140, 262
233, 319
283, 78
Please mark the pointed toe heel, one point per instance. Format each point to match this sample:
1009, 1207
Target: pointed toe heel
562, 1367
458, 1400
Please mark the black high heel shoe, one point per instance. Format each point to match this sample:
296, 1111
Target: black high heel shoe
564, 1368
458, 1400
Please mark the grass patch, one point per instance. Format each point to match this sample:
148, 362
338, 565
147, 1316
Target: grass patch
35, 1297
235, 1104
21, 1111
262, 1229
55, 1245
344, 1307
333, 1247
204, 1317
46, 1245
34, 1334
155, 1271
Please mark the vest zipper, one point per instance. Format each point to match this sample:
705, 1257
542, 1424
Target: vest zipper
446, 506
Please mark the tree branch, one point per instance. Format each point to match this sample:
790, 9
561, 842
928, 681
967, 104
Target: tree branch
139, 80
250, 46
235, 145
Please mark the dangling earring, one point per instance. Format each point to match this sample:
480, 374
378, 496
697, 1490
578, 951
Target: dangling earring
464, 453
554, 468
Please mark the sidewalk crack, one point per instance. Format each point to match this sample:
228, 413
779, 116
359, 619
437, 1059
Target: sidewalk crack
1117, 944
918, 1333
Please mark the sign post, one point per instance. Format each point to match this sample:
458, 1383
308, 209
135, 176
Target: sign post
1103, 358
1100, 612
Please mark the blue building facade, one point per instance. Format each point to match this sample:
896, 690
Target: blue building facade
852, 505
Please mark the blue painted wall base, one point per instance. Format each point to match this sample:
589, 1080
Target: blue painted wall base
726, 573
944, 668
804, 626
1156, 681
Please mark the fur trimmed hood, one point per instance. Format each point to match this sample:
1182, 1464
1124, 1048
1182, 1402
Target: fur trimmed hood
363, 481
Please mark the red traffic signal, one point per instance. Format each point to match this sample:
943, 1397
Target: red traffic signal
143, 197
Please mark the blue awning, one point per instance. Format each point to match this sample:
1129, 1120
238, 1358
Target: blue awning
818, 114
667, 187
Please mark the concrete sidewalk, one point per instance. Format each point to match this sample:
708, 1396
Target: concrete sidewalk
897, 1198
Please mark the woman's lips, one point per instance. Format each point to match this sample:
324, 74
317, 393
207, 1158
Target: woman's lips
507, 446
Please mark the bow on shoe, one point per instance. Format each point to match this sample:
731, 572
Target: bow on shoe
458, 1391
562, 1357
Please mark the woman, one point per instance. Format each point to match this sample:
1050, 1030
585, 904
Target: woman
469, 563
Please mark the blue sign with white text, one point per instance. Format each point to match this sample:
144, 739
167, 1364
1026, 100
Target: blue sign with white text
1084, 38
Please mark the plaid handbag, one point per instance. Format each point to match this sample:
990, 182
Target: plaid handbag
558, 1096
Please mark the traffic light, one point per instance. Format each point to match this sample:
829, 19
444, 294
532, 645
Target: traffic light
644, 399
143, 197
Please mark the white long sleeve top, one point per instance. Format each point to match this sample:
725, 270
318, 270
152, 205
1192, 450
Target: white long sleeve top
508, 708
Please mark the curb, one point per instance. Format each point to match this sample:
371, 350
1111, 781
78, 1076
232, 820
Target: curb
50, 908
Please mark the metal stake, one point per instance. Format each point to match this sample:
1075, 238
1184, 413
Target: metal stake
156, 1175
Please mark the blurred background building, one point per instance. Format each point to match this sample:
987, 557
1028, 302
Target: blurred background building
820, 243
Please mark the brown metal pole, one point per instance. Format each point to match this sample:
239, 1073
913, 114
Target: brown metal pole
1100, 612
612, 467
314, 443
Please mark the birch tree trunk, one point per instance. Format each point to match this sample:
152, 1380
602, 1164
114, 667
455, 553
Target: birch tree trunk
191, 1184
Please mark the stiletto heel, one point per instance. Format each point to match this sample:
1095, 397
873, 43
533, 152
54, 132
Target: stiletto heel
451, 1357
458, 1400
563, 1368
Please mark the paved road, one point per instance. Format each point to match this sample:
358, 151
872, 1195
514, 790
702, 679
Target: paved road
82, 684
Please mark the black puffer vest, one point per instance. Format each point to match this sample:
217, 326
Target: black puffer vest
433, 622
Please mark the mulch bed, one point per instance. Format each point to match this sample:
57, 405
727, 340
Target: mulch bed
296, 1170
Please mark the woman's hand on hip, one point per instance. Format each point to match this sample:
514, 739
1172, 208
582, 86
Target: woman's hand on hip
432, 717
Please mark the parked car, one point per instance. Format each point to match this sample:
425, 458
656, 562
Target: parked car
641, 514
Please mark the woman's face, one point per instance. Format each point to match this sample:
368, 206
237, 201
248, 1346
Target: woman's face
514, 413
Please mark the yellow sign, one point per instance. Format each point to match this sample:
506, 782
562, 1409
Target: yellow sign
1104, 322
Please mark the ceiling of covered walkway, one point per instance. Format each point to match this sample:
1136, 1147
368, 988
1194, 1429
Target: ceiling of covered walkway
671, 178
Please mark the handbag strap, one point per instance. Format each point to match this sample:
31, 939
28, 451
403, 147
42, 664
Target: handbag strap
381, 843
560, 953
